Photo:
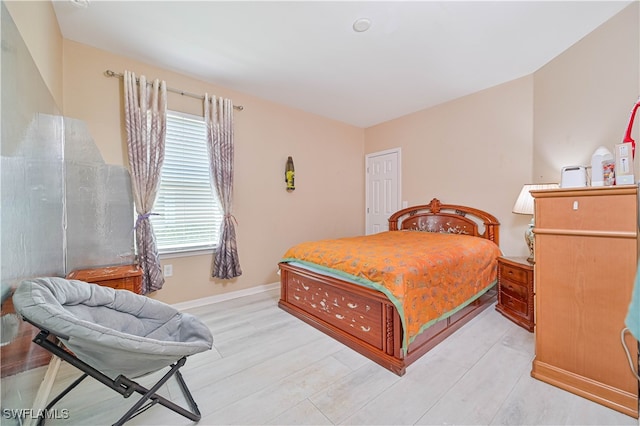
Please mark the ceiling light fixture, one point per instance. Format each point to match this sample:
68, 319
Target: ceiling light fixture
361, 25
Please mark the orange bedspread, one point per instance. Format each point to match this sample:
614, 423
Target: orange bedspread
427, 276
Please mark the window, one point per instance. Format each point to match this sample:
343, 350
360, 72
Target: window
187, 215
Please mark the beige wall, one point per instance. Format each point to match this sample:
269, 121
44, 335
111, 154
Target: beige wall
474, 151
328, 155
583, 98
479, 150
39, 29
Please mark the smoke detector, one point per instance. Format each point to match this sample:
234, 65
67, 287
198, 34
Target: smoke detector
361, 25
80, 3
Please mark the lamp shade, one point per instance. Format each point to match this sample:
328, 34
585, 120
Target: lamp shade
524, 203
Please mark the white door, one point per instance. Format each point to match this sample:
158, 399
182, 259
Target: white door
383, 189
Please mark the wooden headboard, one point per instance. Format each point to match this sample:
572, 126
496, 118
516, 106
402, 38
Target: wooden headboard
447, 218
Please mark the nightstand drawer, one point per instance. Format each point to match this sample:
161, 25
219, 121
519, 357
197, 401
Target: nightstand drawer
514, 304
516, 290
508, 272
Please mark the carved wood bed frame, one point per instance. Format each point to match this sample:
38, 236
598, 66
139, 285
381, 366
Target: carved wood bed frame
366, 320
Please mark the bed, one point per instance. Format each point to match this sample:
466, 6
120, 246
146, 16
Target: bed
387, 317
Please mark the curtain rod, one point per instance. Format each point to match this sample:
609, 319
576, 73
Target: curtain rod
110, 73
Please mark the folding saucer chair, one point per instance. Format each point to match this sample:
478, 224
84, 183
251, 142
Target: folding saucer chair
113, 336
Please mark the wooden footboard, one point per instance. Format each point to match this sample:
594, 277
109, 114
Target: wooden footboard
363, 319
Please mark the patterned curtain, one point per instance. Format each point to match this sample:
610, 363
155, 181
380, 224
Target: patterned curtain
218, 115
145, 118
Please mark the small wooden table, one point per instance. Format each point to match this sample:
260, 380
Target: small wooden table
515, 291
124, 277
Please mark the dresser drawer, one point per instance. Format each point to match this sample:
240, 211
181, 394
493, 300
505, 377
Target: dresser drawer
576, 212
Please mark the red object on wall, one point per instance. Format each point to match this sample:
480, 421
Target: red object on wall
627, 136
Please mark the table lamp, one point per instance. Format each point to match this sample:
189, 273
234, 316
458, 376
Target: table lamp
525, 205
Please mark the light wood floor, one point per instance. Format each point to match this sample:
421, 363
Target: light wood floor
268, 367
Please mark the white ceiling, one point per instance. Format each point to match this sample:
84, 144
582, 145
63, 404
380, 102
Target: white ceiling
305, 54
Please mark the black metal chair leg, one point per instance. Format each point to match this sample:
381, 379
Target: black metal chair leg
150, 394
188, 396
123, 385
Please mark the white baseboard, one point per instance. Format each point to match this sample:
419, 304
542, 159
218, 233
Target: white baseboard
226, 296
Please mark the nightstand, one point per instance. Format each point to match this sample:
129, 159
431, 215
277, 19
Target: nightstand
124, 277
515, 290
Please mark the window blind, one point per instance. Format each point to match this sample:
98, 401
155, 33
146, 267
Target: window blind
187, 213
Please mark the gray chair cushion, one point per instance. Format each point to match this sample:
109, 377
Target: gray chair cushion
114, 331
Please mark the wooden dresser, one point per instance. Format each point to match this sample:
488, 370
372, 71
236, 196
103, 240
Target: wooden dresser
124, 277
586, 254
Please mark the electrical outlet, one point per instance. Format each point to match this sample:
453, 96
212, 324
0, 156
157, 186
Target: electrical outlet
168, 270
